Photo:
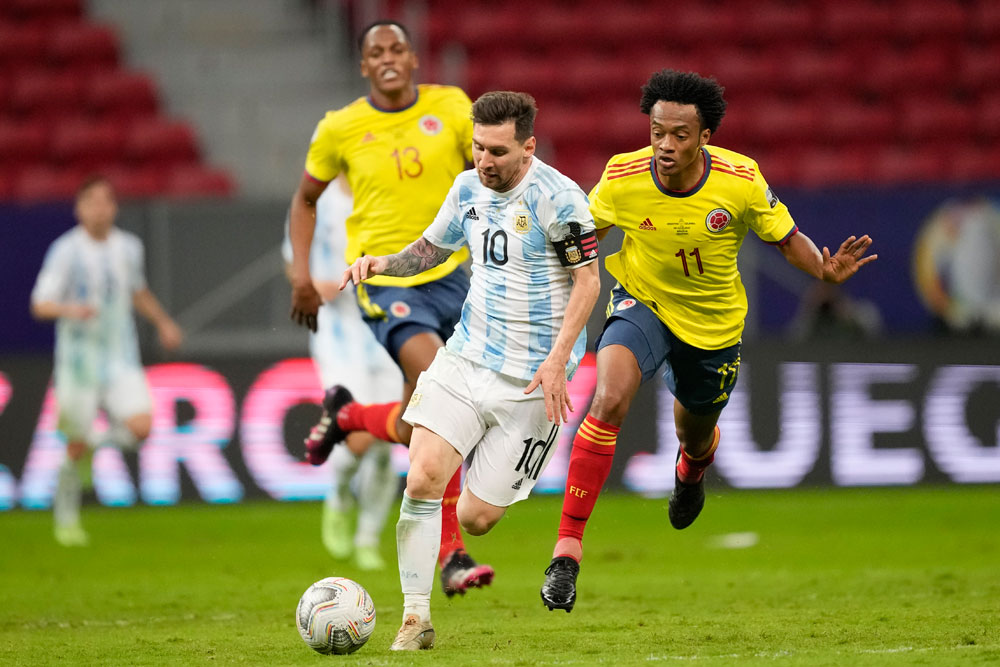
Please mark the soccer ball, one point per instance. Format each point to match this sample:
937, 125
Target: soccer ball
335, 615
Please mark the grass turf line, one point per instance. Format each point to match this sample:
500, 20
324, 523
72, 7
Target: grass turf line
839, 576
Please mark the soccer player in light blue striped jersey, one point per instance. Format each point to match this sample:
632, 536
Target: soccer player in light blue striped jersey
498, 387
345, 352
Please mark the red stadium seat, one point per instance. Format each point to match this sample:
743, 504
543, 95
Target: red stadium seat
137, 182
856, 20
44, 183
783, 122
896, 166
978, 66
21, 44
44, 10
160, 140
987, 115
47, 93
83, 45
771, 23
22, 141
122, 94
849, 121
922, 120
87, 143
835, 166
985, 19
806, 71
194, 181
940, 19
890, 72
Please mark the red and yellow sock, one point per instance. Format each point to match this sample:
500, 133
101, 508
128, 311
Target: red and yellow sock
451, 534
589, 465
691, 470
379, 419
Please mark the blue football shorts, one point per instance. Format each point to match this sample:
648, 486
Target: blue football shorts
396, 314
702, 380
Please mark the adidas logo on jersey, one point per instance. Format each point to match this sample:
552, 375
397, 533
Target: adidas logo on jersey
369, 137
517, 485
647, 225
721, 398
471, 215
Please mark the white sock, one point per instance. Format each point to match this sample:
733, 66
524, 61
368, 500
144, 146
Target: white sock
343, 465
378, 487
418, 540
116, 434
66, 502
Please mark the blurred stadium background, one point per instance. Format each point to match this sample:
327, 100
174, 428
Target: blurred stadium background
865, 116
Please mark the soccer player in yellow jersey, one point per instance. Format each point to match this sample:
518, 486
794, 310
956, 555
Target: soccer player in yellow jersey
400, 149
685, 207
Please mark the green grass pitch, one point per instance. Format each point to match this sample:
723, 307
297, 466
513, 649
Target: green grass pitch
836, 577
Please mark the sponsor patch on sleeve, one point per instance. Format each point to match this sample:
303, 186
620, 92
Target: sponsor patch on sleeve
772, 198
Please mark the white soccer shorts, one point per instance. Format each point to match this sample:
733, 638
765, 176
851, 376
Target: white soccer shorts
346, 353
124, 395
481, 412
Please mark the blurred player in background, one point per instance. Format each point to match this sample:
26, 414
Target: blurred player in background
499, 385
345, 352
92, 278
400, 148
685, 207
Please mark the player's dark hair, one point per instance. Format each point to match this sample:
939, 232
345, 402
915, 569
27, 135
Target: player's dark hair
705, 94
498, 107
377, 24
90, 181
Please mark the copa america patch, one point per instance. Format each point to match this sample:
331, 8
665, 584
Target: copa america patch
718, 220
772, 198
400, 309
430, 125
626, 304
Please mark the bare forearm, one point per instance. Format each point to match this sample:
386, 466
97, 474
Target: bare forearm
415, 258
301, 226
147, 305
47, 310
583, 296
802, 253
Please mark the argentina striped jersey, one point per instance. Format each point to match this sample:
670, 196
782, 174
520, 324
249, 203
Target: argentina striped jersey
520, 289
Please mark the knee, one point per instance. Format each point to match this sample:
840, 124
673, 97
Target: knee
476, 524
75, 449
427, 478
140, 426
610, 405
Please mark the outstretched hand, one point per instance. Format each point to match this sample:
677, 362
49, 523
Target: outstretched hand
849, 258
364, 267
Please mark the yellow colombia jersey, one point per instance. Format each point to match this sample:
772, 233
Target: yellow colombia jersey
679, 252
400, 165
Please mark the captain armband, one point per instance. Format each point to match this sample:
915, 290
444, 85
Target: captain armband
576, 248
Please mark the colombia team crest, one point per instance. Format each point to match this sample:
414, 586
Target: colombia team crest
718, 220
430, 125
400, 309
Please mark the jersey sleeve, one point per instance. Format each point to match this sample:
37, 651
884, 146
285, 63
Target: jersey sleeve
446, 231
323, 159
463, 118
766, 215
136, 264
571, 228
602, 207
54, 275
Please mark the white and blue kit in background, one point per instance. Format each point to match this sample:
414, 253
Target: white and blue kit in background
97, 363
472, 395
346, 352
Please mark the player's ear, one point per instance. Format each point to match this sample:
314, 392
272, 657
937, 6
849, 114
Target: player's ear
706, 134
529, 147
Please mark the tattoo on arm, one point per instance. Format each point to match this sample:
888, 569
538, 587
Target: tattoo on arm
415, 258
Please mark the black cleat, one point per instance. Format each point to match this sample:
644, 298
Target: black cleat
325, 434
461, 573
685, 502
559, 589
